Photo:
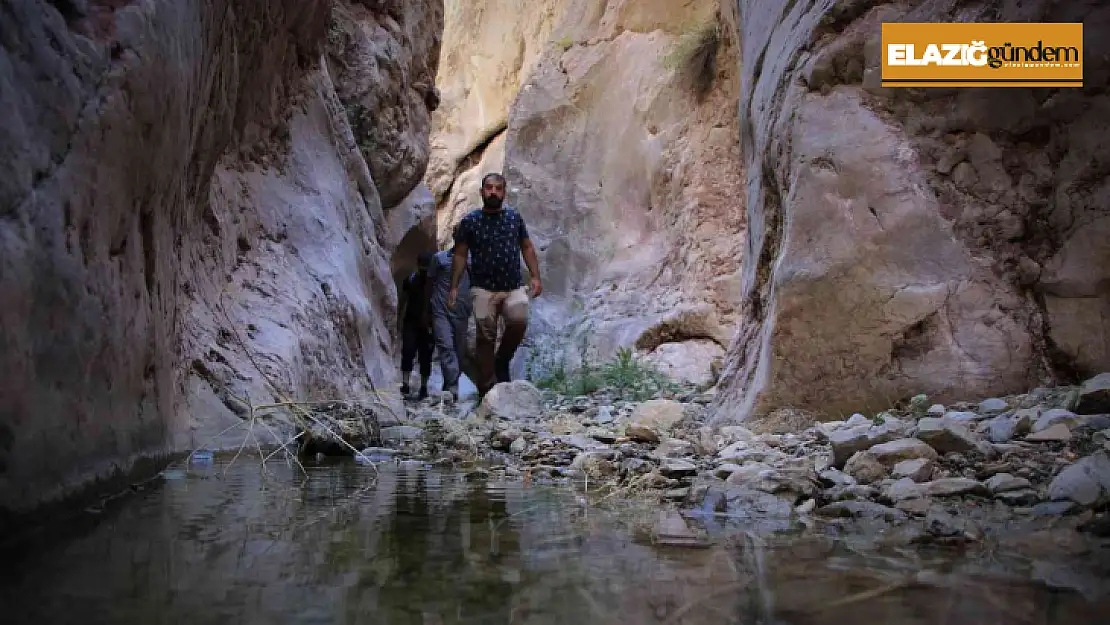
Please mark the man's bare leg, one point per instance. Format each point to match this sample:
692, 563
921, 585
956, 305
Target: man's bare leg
515, 308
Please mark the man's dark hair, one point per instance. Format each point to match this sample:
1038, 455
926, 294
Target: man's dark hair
493, 176
424, 259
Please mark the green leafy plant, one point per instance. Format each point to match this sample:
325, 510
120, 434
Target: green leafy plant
626, 374
635, 378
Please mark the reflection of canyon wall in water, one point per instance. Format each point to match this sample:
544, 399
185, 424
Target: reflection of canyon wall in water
945, 241
410, 544
188, 215
629, 178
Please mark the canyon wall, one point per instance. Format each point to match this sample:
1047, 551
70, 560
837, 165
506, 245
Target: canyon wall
902, 241
199, 207
615, 124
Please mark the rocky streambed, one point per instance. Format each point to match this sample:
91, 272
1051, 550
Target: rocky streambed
601, 509
963, 473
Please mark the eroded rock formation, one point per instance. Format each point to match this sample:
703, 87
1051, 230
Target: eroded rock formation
191, 213
615, 124
944, 241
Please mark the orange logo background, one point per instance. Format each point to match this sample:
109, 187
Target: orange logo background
982, 55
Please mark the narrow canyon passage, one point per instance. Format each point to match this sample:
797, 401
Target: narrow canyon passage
808, 348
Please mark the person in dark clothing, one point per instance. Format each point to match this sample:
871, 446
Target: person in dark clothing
495, 237
416, 329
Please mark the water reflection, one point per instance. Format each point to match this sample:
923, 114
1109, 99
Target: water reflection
413, 545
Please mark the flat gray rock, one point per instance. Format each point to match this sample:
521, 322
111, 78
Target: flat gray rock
918, 469
848, 441
993, 404
837, 478
1003, 428
676, 467
1052, 417
902, 449
1002, 482
946, 436
1094, 395
1086, 481
1057, 432
906, 488
860, 509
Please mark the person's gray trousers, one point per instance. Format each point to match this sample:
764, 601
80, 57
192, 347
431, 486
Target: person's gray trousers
450, 327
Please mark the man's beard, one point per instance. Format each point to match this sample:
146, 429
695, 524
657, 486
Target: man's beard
492, 202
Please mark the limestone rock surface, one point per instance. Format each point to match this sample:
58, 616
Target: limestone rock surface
629, 178
893, 234
188, 221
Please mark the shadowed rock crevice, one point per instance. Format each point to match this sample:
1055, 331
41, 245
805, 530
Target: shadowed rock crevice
462, 195
472, 159
418, 240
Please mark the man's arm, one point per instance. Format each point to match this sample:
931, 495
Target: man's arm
458, 264
530, 258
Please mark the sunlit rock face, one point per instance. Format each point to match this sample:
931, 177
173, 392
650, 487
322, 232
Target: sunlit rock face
615, 123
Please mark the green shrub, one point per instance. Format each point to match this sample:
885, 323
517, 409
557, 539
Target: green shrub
630, 377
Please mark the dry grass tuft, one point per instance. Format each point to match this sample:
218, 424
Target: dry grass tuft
694, 57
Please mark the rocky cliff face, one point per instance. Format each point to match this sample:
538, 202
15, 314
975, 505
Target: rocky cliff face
945, 241
192, 213
615, 124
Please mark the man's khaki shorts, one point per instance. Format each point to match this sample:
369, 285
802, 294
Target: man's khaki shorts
489, 305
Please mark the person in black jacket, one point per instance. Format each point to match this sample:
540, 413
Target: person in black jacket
417, 339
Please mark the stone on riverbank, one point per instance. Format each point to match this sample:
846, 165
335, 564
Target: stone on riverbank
1094, 395
904, 468
518, 400
1086, 482
846, 442
945, 436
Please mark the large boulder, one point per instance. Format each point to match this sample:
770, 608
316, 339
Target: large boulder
518, 400
658, 416
690, 361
